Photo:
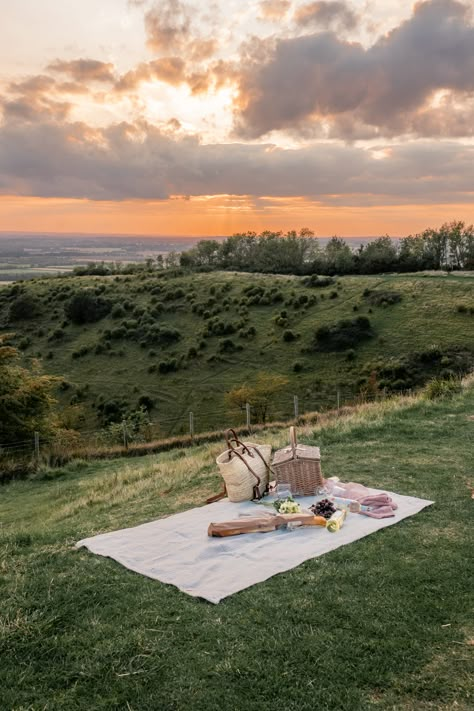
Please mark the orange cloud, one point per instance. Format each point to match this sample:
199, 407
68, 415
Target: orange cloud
274, 9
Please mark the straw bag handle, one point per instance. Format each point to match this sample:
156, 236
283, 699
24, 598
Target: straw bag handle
245, 448
234, 438
293, 440
250, 452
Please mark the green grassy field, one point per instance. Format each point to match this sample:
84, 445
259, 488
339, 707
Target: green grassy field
426, 316
385, 623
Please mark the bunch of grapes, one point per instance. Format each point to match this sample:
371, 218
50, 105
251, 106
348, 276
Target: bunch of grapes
323, 508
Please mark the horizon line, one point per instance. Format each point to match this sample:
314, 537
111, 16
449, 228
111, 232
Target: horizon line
167, 236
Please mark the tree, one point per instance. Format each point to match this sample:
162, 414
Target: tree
207, 253
338, 257
260, 394
377, 256
26, 398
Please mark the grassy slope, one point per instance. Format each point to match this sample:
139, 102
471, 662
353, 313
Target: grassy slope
427, 315
385, 623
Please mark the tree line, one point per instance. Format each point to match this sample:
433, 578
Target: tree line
450, 247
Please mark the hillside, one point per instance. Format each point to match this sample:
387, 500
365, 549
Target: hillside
178, 343
384, 623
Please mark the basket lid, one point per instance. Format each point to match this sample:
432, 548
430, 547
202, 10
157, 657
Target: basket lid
301, 451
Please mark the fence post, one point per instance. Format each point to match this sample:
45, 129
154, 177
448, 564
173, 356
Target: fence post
296, 406
247, 413
191, 424
125, 434
37, 447
338, 399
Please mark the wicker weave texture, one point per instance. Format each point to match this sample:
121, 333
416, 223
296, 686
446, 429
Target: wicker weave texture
299, 466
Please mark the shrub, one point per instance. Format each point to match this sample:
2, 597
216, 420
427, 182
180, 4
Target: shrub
297, 367
145, 402
333, 295
168, 366
227, 345
24, 307
351, 354
80, 352
315, 281
119, 332
382, 298
442, 388
168, 334
289, 336
461, 309
86, 307
118, 311
343, 334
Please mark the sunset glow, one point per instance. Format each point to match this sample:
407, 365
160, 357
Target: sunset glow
174, 117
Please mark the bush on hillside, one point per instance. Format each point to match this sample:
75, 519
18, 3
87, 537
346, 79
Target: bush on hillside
87, 307
24, 307
118, 311
415, 369
318, 282
168, 366
442, 388
382, 298
343, 334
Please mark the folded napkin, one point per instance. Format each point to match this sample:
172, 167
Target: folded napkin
378, 506
377, 500
378, 512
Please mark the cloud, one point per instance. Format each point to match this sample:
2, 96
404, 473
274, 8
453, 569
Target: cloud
171, 70
168, 25
274, 9
326, 14
174, 27
324, 84
39, 98
168, 69
145, 162
84, 70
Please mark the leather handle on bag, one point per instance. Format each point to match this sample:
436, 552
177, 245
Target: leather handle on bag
230, 439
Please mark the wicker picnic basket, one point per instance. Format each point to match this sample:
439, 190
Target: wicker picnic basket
299, 466
244, 466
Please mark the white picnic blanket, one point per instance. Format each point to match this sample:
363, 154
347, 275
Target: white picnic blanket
178, 551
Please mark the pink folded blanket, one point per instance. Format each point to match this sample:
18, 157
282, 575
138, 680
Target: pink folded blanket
378, 512
377, 500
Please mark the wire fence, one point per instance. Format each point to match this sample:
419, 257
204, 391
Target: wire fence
191, 426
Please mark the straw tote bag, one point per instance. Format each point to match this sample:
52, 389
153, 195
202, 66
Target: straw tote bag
244, 466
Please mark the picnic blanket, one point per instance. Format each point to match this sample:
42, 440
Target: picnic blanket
178, 551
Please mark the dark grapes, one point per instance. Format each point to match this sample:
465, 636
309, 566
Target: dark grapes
323, 508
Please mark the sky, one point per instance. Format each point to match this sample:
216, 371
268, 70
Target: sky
187, 117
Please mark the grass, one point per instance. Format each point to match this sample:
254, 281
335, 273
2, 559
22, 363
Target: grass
426, 315
385, 623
